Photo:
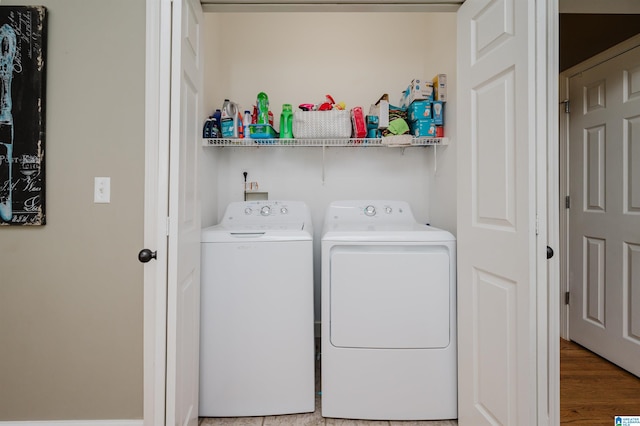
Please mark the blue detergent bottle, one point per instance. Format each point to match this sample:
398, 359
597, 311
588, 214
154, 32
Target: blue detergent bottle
218, 116
206, 129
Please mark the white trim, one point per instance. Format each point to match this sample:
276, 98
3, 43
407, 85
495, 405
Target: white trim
545, 65
155, 210
600, 6
74, 423
548, 301
327, 7
563, 247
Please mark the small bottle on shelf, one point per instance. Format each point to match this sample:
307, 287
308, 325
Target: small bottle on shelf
246, 122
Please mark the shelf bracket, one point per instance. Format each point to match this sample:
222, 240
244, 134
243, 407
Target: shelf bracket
435, 160
323, 158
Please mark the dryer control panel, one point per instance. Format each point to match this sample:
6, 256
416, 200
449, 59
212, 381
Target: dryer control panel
381, 211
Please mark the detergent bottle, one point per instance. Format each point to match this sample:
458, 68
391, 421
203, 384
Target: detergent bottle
263, 108
238, 124
217, 115
206, 129
229, 124
286, 122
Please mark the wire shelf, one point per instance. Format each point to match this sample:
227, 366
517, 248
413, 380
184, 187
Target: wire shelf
363, 142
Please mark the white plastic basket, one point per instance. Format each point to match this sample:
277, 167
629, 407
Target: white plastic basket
321, 124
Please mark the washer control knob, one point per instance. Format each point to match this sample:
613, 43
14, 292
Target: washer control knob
388, 210
247, 210
370, 210
284, 210
265, 211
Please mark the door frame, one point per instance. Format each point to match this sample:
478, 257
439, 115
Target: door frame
158, 61
565, 76
156, 204
548, 276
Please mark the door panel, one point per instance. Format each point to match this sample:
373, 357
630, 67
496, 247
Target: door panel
595, 169
492, 159
183, 309
497, 213
497, 350
594, 255
604, 227
631, 168
631, 290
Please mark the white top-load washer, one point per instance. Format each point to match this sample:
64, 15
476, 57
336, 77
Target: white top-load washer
388, 314
256, 331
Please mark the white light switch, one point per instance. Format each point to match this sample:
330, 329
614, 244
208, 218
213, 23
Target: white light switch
102, 190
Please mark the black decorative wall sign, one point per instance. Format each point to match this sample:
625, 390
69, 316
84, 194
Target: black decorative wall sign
22, 114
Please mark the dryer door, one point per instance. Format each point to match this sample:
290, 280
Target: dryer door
390, 296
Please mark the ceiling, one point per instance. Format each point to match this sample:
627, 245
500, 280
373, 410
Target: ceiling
585, 35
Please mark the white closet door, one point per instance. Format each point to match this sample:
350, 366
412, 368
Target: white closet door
183, 310
497, 206
604, 241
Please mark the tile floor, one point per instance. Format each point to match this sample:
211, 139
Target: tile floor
313, 419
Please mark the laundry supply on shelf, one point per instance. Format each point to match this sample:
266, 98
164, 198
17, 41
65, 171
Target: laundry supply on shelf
440, 88
231, 124
381, 110
286, 122
358, 124
263, 108
418, 90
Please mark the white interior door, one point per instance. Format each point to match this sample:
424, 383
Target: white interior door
604, 218
183, 309
497, 212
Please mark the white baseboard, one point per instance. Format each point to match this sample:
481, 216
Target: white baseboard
73, 423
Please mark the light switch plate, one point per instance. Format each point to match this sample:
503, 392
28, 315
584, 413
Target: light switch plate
102, 190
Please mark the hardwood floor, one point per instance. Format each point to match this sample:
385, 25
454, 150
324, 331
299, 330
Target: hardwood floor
592, 390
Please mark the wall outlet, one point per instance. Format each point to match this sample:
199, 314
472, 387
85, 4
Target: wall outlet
102, 190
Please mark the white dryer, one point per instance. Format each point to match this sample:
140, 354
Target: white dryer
256, 330
388, 314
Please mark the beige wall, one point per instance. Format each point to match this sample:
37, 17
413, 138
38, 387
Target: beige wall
71, 292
